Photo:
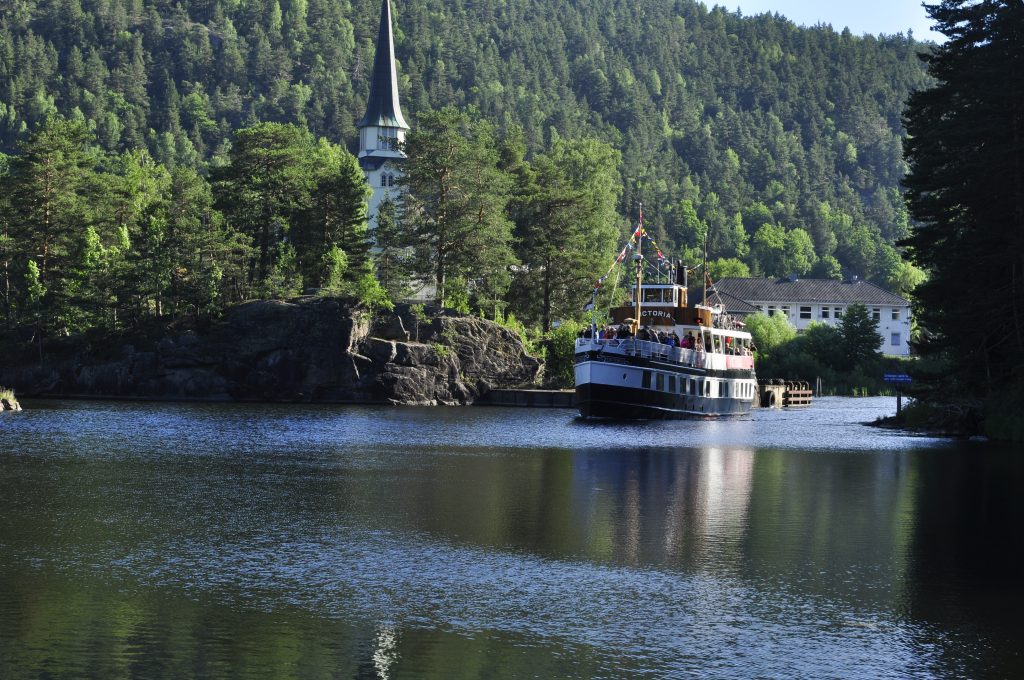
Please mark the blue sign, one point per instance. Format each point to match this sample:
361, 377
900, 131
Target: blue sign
896, 377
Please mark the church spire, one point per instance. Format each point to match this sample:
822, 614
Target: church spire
382, 108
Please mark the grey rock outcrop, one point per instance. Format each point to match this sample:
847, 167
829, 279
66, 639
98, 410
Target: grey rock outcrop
310, 350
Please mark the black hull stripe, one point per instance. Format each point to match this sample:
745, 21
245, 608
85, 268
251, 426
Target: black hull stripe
629, 403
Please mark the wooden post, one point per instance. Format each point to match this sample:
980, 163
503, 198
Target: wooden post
899, 403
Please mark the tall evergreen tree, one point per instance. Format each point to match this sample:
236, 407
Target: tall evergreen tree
392, 252
266, 184
455, 200
334, 220
966, 191
47, 213
566, 227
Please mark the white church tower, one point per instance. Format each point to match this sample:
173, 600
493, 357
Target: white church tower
382, 126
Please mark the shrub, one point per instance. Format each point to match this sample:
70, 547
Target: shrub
561, 354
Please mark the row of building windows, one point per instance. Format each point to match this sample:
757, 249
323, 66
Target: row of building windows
387, 180
807, 312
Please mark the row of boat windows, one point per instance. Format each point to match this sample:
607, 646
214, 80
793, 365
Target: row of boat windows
696, 386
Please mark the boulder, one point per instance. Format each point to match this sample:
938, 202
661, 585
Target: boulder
307, 349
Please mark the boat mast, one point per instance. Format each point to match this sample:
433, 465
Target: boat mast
639, 259
707, 279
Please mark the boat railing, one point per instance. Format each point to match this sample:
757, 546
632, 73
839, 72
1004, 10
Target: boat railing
645, 349
658, 351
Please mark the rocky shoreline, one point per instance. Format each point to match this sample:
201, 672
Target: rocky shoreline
311, 349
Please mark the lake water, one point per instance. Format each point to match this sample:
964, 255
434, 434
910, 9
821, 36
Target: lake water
188, 540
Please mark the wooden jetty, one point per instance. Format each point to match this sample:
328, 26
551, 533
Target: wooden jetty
778, 393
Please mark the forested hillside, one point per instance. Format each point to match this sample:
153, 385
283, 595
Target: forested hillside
784, 141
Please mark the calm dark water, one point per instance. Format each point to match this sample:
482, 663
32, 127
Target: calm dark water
182, 540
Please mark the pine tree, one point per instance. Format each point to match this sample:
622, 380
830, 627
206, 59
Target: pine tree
455, 200
392, 252
566, 227
335, 219
47, 212
267, 183
966, 191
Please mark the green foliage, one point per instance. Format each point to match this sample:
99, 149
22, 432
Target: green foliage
566, 227
756, 121
965, 191
828, 267
530, 341
266, 184
371, 294
560, 360
393, 253
845, 358
859, 338
457, 295
46, 206
419, 313
725, 267
334, 266
777, 143
769, 332
454, 205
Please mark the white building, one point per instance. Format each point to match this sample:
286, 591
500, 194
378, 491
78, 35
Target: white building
804, 301
382, 127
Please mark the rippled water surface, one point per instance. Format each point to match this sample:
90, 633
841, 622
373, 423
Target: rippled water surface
184, 540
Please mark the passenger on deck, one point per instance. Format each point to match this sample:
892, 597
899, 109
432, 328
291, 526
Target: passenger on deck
690, 342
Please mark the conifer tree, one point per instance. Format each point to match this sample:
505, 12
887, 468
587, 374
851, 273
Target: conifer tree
335, 218
455, 199
47, 213
267, 183
966, 191
566, 227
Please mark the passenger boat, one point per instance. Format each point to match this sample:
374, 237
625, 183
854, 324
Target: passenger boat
640, 372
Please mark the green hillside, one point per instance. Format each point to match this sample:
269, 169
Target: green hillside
749, 125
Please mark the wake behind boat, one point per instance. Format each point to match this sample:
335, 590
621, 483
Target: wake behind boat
660, 357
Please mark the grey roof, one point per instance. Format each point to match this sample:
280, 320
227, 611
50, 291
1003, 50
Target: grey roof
809, 290
732, 304
382, 108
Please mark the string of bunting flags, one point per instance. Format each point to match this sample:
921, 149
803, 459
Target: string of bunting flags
638, 233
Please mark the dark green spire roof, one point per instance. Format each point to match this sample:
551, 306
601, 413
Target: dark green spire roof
382, 109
